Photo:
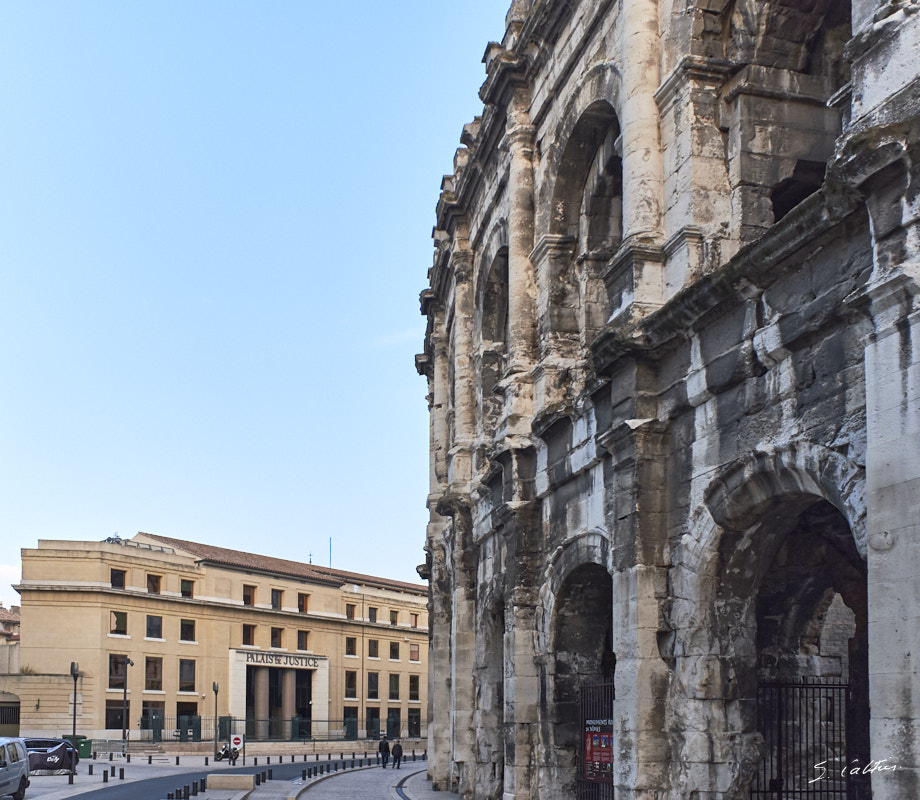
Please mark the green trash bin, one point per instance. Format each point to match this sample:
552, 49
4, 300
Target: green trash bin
84, 746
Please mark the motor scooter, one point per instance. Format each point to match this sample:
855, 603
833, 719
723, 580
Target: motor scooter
231, 753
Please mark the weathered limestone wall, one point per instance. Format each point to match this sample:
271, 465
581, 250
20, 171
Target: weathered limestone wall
674, 384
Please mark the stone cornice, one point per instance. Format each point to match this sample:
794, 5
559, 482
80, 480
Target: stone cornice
691, 67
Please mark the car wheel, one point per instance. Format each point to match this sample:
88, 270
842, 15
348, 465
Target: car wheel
21, 793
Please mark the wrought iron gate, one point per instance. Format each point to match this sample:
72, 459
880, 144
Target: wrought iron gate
594, 780
804, 726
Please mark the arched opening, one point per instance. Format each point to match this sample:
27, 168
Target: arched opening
793, 614
494, 340
582, 655
9, 714
489, 679
586, 226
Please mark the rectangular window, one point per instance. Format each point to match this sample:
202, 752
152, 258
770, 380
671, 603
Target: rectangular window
373, 723
114, 714
394, 651
118, 622
186, 675
371, 614
394, 617
187, 630
394, 686
249, 635
303, 602
249, 595
349, 611
277, 598
117, 578
153, 584
118, 668
187, 588
154, 627
413, 652
373, 682
303, 640
415, 722
413, 620
351, 646
413, 687
276, 637
351, 683
373, 648
153, 674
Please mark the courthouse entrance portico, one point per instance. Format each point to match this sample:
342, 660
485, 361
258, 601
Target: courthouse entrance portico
280, 695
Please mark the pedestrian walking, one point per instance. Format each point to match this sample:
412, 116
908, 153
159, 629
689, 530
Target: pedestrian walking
384, 749
397, 754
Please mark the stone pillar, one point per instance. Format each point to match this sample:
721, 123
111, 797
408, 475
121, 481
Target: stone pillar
522, 692
260, 700
521, 283
642, 163
288, 695
459, 463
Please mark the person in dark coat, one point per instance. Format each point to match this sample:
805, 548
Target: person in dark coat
397, 754
384, 749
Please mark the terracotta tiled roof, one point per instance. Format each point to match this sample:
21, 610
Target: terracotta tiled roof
8, 616
237, 558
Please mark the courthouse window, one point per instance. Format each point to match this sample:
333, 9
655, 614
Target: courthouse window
117, 670
153, 674
249, 595
394, 617
249, 635
277, 597
276, 637
153, 584
118, 622
394, 686
349, 611
351, 646
351, 683
371, 614
413, 687
373, 648
303, 603
117, 578
413, 652
303, 639
373, 681
187, 588
186, 675
154, 627
187, 630
413, 620
394, 651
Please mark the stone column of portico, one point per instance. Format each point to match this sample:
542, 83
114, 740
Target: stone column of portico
460, 454
260, 701
521, 280
288, 698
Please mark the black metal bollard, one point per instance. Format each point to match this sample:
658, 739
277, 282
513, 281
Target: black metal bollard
105, 776
169, 796
292, 759
127, 758
177, 761
329, 756
263, 776
121, 773
353, 756
258, 780
195, 789
112, 768
94, 755
149, 759
270, 775
90, 769
202, 783
110, 756
303, 775
205, 760
70, 778
186, 792
304, 756
256, 761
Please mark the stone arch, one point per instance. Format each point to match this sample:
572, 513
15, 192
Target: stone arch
772, 556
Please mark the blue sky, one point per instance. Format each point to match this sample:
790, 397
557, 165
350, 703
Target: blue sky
215, 220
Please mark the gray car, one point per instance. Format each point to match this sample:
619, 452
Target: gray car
14, 768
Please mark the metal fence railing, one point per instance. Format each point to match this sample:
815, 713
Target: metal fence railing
294, 729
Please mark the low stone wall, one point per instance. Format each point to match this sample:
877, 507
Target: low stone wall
234, 781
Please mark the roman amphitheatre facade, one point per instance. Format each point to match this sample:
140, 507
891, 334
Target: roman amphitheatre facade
673, 362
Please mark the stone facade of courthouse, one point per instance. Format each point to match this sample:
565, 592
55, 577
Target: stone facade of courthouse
673, 359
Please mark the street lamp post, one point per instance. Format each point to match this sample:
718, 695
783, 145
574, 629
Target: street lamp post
215, 687
124, 709
74, 673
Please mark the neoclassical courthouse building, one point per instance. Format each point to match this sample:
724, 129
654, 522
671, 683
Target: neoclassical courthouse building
298, 651
673, 359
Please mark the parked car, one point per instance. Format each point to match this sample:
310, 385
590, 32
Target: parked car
14, 767
52, 755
